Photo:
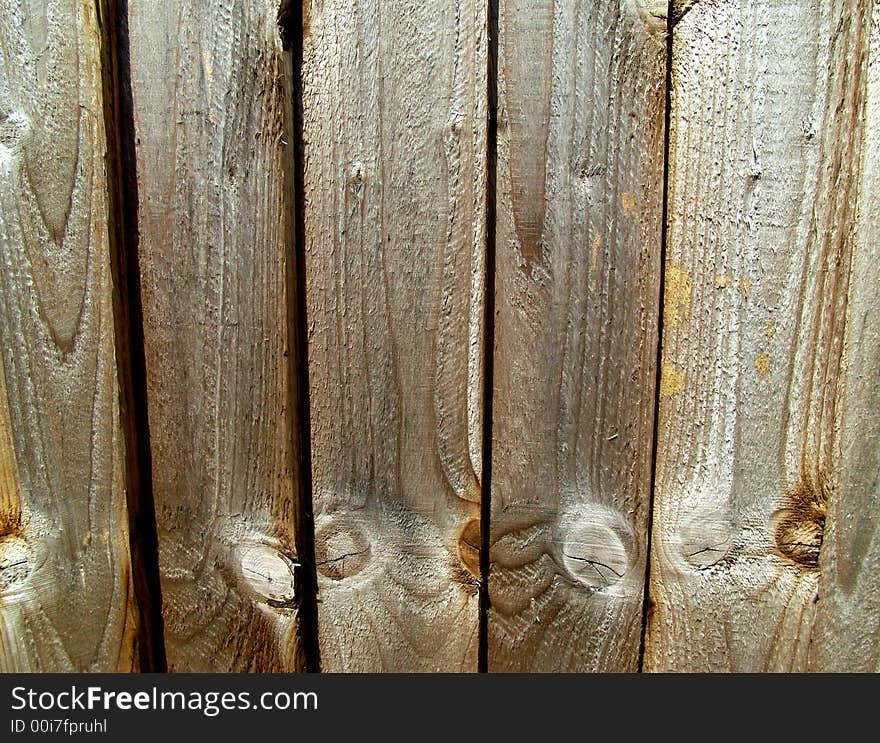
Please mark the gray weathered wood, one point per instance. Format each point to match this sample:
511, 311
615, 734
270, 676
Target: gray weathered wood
394, 99
766, 475
847, 634
580, 171
214, 163
66, 599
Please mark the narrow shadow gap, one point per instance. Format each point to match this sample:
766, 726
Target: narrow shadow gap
664, 230
129, 331
290, 23
489, 339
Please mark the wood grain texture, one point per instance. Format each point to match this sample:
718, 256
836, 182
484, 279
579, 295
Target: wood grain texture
66, 600
394, 102
759, 460
211, 113
580, 182
847, 632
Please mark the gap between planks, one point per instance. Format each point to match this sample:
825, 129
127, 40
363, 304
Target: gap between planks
122, 186
489, 330
671, 19
290, 24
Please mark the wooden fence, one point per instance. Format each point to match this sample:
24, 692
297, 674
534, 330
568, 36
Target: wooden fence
440, 335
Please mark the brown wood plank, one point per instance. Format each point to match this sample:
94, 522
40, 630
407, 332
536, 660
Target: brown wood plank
214, 162
580, 171
394, 100
66, 600
757, 455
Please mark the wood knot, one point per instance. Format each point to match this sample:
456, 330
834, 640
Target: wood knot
469, 541
653, 14
706, 537
596, 549
799, 526
342, 549
15, 562
268, 573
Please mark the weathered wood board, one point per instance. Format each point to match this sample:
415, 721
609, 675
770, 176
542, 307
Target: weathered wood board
765, 553
766, 497
847, 632
581, 90
214, 161
66, 601
394, 120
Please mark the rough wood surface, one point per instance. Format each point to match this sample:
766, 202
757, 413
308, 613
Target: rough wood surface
847, 634
394, 98
213, 160
65, 589
580, 171
766, 498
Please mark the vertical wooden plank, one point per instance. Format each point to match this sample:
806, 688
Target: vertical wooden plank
847, 634
766, 144
213, 160
580, 181
66, 600
394, 103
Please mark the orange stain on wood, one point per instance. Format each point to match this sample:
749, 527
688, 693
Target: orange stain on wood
677, 291
762, 364
671, 380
